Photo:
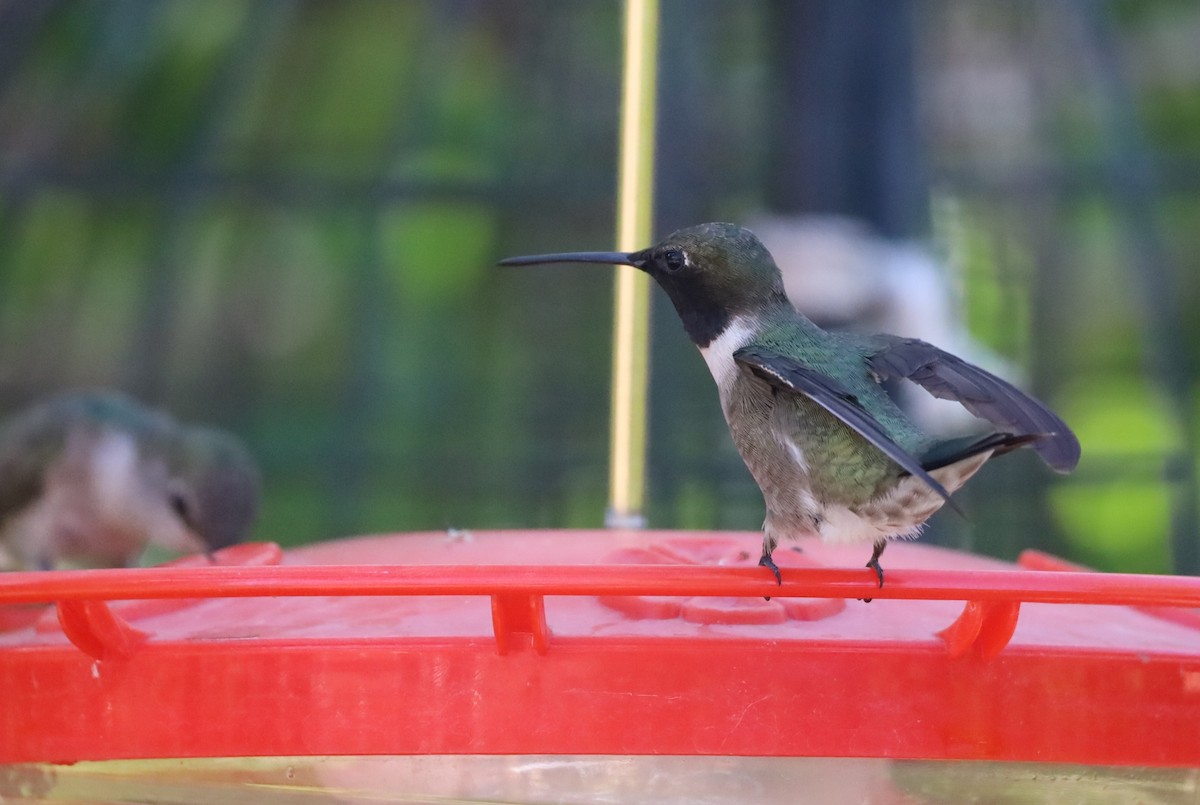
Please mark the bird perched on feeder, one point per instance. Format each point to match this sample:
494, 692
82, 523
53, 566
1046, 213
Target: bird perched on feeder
832, 453
91, 478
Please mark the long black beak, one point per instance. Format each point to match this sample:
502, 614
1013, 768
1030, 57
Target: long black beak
635, 259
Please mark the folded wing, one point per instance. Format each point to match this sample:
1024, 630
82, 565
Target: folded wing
789, 374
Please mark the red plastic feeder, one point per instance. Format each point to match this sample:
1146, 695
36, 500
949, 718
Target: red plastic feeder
584, 666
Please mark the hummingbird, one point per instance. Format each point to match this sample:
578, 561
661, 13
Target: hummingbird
91, 478
832, 453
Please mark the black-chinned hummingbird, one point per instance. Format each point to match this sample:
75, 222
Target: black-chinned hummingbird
832, 453
91, 478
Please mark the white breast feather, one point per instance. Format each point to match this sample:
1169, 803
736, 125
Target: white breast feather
719, 352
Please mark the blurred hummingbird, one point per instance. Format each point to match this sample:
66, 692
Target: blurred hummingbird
834, 456
91, 478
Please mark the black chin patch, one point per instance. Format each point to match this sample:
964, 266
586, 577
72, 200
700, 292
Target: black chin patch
703, 318
704, 325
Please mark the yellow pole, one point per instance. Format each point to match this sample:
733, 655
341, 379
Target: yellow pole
631, 326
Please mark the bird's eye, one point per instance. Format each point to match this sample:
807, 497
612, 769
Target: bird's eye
673, 260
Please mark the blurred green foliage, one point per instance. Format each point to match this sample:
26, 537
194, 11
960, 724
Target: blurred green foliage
1119, 518
282, 217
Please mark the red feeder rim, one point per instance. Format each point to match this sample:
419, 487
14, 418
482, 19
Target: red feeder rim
632, 642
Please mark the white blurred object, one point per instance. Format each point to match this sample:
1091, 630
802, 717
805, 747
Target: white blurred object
839, 273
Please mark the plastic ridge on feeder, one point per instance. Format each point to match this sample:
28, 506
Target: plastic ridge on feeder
636, 643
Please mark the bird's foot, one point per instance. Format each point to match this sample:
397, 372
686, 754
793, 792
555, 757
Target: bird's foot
766, 561
873, 564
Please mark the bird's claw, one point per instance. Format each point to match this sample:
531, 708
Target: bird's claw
767, 562
873, 564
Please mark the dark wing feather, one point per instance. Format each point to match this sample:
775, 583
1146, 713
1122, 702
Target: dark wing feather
980, 392
788, 374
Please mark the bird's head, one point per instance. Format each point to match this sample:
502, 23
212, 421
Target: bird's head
711, 272
214, 486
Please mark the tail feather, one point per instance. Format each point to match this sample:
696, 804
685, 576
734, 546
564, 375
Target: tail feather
955, 450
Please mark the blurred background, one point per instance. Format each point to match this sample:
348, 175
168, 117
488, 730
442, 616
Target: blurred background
281, 217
